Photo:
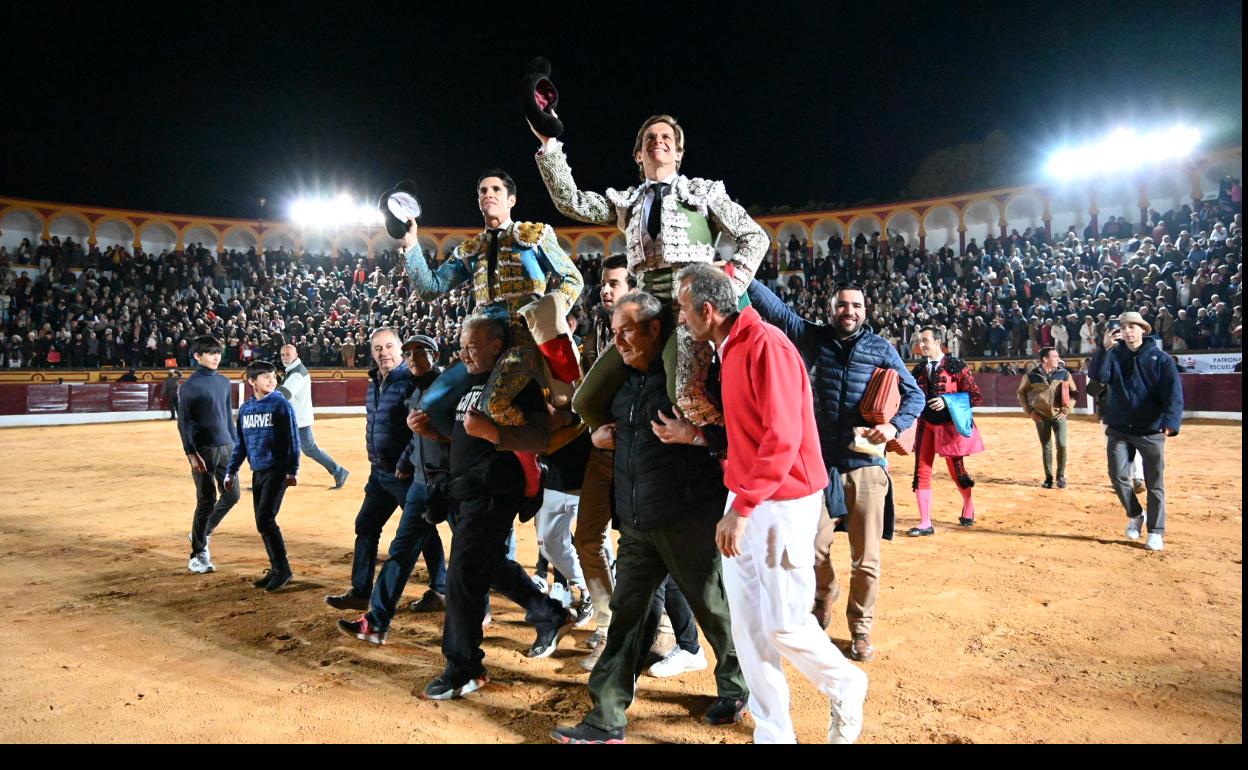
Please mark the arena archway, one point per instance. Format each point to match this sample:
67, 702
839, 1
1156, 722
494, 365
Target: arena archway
1119, 198
451, 241
18, 223
825, 229
114, 231
982, 219
316, 243
1068, 208
239, 238
1212, 173
381, 241
905, 222
941, 226
617, 245
589, 245
788, 230
279, 238
866, 225
157, 237
1170, 190
201, 235
1024, 210
68, 224
428, 245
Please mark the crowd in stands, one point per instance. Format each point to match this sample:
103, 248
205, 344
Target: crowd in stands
1007, 297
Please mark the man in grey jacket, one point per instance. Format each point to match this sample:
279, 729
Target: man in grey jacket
297, 388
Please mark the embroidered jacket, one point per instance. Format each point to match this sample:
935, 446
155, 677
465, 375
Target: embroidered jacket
527, 252
952, 376
694, 212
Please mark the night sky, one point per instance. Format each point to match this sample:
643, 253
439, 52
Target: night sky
205, 108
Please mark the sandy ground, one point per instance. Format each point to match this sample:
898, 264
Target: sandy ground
1040, 624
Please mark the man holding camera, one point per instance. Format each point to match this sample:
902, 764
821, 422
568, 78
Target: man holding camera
1143, 405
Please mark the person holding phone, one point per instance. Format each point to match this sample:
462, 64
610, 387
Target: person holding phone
1143, 406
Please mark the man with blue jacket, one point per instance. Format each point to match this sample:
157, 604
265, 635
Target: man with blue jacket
842, 357
1143, 404
386, 437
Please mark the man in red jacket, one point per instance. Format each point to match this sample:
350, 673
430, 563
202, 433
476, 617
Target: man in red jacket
775, 478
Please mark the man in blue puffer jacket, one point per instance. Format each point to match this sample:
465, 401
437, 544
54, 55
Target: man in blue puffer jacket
1143, 405
842, 357
386, 436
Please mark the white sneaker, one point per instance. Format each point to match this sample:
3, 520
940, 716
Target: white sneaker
200, 565
539, 582
1134, 525
1154, 542
679, 661
846, 714
561, 595
598, 636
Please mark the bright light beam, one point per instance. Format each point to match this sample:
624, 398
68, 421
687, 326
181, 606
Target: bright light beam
338, 211
1123, 150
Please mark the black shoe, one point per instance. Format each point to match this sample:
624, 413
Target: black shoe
347, 601
277, 580
966, 522
584, 733
361, 629
432, 601
1048, 484
920, 531
724, 711
264, 579
546, 642
444, 688
1061, 482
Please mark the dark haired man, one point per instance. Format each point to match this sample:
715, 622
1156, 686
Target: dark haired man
509, 264
1046, 394
208, 441
842, 357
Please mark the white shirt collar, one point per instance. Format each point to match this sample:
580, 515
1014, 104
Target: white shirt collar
669, 180
505, 226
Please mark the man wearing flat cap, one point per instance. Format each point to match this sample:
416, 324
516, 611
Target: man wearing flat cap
1143, 405
418, 466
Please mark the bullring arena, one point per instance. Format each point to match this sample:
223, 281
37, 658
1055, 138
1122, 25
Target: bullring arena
1041, 624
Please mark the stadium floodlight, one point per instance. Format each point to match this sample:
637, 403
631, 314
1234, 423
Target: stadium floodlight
1122, 150
337, 211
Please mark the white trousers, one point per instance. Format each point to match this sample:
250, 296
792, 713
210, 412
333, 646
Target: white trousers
554, 534
771, 588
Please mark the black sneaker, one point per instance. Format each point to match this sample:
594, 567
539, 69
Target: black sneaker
921, 531
432, 601
444, 688
724, 711
347, 601
361, 629
1048, 484
1061, 482
547, 640
277, 580
264, 579
584, 733
965, 522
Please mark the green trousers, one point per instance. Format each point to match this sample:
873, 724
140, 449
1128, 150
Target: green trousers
687, 552
1049, 430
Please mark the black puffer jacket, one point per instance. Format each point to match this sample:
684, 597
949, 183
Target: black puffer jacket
659, 484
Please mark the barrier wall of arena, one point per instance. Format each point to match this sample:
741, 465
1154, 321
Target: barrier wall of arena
1218, 396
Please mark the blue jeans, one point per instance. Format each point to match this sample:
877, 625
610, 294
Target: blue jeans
307, 445
383, 493
414, 536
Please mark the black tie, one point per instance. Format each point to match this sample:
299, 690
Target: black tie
653, 222
492, 261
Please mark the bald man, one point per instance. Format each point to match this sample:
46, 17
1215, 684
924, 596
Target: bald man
297, 388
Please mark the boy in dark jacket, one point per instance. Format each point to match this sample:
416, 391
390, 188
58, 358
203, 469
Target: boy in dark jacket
1143, 405
268, 438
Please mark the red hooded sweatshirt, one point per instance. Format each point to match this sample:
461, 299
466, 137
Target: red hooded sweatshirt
773, 444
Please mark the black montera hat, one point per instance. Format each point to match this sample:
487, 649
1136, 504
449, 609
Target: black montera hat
398, 205
539, 98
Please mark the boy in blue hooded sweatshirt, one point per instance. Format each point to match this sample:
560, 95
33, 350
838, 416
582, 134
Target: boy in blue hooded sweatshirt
268, 438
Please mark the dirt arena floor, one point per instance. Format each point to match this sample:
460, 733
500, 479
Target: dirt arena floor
1040, 624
